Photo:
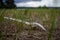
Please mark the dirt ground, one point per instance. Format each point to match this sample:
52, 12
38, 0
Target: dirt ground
9, 33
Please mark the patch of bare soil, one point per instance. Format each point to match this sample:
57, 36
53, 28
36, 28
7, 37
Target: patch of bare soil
9, 33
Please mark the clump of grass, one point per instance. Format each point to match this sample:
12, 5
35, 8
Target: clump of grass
1, 15
1, 20
19, 26
53, 21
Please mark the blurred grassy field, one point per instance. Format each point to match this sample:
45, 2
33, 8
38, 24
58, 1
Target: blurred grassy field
43, 16
33, 15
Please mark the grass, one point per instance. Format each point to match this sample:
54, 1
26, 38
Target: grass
43, 16
1, 19
53, 23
